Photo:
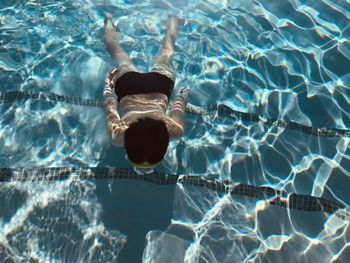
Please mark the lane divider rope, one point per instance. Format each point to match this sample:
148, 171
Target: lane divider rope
270, 195
219, 110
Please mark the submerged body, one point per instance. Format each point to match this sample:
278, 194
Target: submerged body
134, 106
143, 125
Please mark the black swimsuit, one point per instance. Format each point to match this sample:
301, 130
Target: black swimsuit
132, 83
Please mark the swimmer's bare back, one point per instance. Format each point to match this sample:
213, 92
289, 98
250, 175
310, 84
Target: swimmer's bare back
135, 106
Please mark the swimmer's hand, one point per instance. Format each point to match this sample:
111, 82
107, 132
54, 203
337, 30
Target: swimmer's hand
184, 92
111, 75
109, 86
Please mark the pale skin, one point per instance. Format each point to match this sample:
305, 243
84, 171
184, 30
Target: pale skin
165, 54
140, 105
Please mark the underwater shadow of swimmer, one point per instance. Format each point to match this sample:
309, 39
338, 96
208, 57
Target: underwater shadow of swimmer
135, 208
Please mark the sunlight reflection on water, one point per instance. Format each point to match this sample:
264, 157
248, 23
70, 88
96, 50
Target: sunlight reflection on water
279, 59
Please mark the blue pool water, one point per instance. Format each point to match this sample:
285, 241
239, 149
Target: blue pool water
286, 60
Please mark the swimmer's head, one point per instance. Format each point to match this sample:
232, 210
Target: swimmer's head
146, 142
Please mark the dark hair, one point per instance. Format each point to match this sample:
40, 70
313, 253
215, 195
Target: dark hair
146, 140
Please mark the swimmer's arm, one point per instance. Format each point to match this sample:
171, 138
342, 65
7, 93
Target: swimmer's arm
177, 112
114, 123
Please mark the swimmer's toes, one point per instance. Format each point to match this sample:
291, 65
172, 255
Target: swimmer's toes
174, 19
108, 19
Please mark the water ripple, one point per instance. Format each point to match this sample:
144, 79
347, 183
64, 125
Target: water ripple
279, 59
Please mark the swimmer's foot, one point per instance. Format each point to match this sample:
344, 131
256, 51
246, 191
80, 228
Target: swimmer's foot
110, 32
174, 22
108, 20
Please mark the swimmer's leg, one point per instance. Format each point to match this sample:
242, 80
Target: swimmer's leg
165, 54
111, 39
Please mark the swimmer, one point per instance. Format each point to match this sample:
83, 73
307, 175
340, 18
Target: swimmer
143, 126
